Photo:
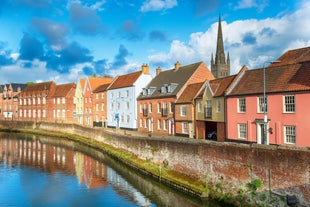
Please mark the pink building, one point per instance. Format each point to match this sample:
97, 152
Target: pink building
288, 99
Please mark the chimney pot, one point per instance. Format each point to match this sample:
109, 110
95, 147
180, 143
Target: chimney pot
177, 65
145, 69
158, 70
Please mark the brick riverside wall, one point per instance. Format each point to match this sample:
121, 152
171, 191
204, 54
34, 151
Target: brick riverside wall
285, 169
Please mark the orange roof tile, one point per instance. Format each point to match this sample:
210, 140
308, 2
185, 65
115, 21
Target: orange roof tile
97, 81
190, 92
294, 56
82, 82
220, 85
63, 89
37, 88
281, 78
101, 88
125, 80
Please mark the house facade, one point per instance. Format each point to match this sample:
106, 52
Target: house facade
211, 107
100, 105
122, 98
185, 123
90, 85
9, 94
36, 102
64, 104
287, 103
157, 100
79, 101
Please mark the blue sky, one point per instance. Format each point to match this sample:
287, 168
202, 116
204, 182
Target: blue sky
42, 40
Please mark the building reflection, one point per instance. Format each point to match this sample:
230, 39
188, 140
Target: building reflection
50, 158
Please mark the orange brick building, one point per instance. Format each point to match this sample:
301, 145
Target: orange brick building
156, 104
100, 105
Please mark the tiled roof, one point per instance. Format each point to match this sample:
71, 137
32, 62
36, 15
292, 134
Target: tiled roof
82, 82
63, 89
101, 88
125, 80
282, 78
294, 56
97, 81
220, 85
190, 92
173, 76
38, 87
15, 86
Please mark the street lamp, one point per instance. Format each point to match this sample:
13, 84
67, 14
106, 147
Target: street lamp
265, 101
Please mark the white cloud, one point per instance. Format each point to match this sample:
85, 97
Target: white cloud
157, 5
247, 4
249, 42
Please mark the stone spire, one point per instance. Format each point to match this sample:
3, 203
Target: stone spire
220, 67
220, 55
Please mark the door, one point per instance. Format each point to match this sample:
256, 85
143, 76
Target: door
260, 134
191, 130
150, 124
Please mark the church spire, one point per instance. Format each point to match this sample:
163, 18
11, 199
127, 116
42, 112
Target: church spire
220, 67
220, 55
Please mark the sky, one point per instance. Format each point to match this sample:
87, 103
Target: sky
62, 41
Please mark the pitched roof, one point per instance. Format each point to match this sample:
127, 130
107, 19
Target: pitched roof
125, 80
101, 88
178, 77
82, 82
294, 56
220, 85
282, 78
38, 87
190, 92
15, 86
94, 82
63, 89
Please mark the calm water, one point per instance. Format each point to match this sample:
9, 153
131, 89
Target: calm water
37, 171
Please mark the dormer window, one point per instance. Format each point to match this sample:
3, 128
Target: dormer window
144, 91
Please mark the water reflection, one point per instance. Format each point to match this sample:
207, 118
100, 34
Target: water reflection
67, 176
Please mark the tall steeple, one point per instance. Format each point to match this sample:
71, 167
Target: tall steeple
220, 68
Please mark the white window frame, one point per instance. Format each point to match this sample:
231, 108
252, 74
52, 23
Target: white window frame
241, 105
218, 105
158, 124
184, 127
242, 130
289, 134
260, 104
289, 106
183, 110
159, 108
199, 106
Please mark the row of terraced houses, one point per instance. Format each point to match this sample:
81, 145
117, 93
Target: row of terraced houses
190, 101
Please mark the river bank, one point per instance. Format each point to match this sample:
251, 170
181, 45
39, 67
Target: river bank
224, 171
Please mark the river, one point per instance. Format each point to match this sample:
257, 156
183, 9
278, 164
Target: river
41, 171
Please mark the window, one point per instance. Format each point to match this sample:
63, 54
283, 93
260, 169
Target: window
199, 106
145, 123
150, 108
63, 100
33, 101
118, 105
218, 105
39, 113
242, 131
102, 107
20, 102
63, 113
25, 113
29, 101
44, 100
141, 107
126, 105
261, 104
58, 100
208, 109
20, 113
119, 94
85, 100
159, 124
29, 113
34, 113
39, 100
25, 102
127, 93
290, 134
185, 127
44, 113
241, 105
171, 108
128, 118
58, 113
183, 110
102, 95
141, 123
97, 96
97, 107
165, 124
289, 104
158, 108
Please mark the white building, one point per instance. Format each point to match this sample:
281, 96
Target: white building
122, 98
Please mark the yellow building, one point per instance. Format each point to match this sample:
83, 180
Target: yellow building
79, 100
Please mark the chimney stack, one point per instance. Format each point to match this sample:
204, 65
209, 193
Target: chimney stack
177, 65
158, 70
145, 69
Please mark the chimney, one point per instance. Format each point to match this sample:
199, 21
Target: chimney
177, 65
145, 69
158, 70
